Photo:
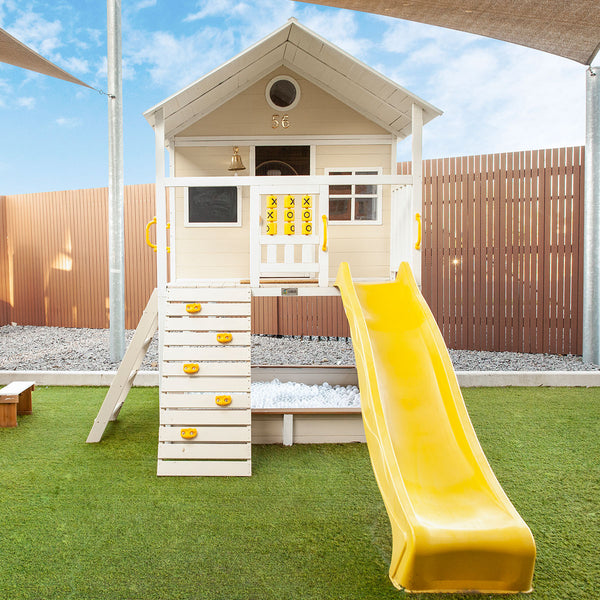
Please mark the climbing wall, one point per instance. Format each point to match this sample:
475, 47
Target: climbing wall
205, 382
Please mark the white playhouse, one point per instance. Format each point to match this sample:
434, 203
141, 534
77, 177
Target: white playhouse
281, 164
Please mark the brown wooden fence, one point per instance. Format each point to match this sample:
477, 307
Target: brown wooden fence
503, 250
502, 256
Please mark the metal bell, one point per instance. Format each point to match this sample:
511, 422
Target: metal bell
236, 161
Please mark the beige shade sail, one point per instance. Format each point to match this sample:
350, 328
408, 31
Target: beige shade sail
570, 29
14, 52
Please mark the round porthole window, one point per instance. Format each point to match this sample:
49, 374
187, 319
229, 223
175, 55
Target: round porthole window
283, 93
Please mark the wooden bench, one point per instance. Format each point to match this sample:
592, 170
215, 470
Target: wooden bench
15, 399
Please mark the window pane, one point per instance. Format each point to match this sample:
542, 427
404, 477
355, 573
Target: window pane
283, 93
340, 172
339, 209
366, 189
340, 190
212, 205
365, 209
367, 173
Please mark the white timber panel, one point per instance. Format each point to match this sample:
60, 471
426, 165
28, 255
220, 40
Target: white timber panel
204, 451
207, 369
208, 294
167, 433
190, 400
207, 324
204, 417
189, 353
210, 309
201, 339
204, 468
222, 385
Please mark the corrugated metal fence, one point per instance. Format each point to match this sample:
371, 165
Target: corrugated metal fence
54, 263
502, 256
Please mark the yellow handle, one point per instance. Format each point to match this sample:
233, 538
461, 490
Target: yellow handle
148, 225
324, 248
223, 400
418, 242
189, 433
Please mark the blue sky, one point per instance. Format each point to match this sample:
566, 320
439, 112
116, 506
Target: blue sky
495, 96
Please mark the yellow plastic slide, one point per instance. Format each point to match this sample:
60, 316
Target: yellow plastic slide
453, 527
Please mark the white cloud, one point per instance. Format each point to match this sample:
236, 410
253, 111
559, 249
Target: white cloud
145, 4
75, 65
68, 122
211, 8
496, 96
338, 27
177, 61
26, 102
38, 33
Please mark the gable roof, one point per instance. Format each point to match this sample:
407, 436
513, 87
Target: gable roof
298, 48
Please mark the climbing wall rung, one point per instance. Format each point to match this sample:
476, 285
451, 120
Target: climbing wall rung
205, 383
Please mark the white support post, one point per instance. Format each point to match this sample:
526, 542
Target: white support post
417, 189
591, 239
255, 250
401, 228
323, 230
161, 224
116, 188
172, 200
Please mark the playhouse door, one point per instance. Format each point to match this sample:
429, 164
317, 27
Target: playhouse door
288, 233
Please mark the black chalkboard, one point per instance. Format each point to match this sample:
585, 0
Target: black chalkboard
213, 205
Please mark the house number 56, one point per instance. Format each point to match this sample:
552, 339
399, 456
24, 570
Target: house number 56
284, 121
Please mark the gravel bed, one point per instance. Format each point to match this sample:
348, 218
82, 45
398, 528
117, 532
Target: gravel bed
29, 348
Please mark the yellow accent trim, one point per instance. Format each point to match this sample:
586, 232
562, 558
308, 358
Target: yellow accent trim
148, 225
419, 232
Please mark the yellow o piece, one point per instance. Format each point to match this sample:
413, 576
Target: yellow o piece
223, 400
191, 368
307, 228
224, 338
307, 214
193, 308
189, 433
289, 229
271, 228
289, 215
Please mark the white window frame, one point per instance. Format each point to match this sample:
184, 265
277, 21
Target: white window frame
186, 211
268, 93
379, 207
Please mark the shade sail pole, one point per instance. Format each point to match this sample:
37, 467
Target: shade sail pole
116, 245
591, 247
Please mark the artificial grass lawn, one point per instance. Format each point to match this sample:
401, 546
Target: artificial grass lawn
92, 521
